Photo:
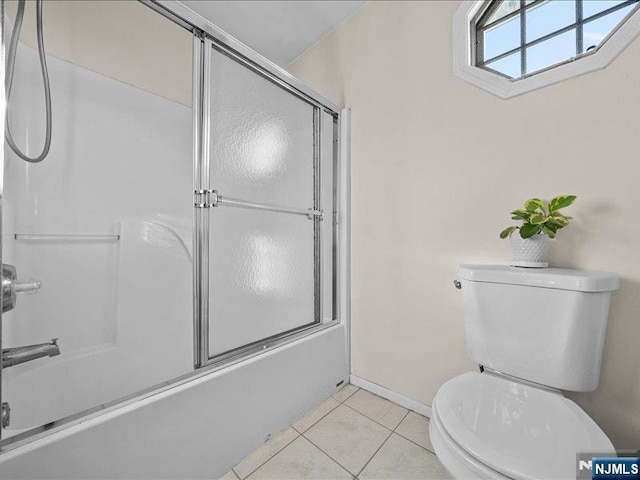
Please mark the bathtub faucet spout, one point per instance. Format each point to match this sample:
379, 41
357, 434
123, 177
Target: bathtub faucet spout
18, 355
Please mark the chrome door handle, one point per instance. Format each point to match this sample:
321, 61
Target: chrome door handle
11, 286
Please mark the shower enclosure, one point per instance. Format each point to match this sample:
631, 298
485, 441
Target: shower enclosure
188, 219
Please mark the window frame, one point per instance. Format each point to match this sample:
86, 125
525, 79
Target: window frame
465, 52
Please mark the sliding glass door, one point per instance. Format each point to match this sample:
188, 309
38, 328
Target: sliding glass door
270, 156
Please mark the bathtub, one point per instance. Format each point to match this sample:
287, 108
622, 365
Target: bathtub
194, 430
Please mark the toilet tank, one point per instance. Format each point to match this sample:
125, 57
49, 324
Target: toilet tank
542, 325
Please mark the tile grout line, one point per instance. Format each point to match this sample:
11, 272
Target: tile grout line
300, 434
349, 396
339, 464
387, 400
375, 421
276, 453
416, 444
314, 423
354, 410
380, 447
395, 430
374, 454
400, 422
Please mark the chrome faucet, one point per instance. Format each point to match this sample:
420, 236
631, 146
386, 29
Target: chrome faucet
18, 355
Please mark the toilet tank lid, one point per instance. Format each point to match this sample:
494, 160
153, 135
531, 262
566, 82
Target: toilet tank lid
559, 278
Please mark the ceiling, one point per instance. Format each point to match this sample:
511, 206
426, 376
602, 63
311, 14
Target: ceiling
278, 30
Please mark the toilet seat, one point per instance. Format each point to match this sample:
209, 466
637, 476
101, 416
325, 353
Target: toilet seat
497, 427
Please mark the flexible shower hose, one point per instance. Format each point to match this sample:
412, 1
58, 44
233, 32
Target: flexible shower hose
11, 60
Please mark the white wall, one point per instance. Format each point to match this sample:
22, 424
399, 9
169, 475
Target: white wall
437, 164
123, 40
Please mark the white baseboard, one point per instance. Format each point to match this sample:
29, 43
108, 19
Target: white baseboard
384, 392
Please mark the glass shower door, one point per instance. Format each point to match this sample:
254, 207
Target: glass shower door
266, 227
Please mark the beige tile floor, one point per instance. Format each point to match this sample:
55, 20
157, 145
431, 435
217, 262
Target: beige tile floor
352, 435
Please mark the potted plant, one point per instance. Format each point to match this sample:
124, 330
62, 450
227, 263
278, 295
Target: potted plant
540, 221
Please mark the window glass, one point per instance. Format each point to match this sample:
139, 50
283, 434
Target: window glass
547, 17
503, 9
593, 7
509, 66
552, 51
554, 31
596, 31
502, 38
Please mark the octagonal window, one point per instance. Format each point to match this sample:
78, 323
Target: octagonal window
519, 38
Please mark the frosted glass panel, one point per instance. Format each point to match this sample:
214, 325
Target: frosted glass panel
261, 138
261, 276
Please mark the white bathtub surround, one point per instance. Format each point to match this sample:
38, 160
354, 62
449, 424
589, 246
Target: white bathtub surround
103, 260
347, 440
529, 252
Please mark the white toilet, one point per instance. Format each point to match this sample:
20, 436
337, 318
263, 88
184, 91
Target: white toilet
535, 332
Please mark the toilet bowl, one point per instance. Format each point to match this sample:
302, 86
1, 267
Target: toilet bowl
535, 333
487, 426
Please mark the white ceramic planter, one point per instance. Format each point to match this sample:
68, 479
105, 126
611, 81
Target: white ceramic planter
529, 252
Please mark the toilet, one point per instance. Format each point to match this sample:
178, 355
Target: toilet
535, 333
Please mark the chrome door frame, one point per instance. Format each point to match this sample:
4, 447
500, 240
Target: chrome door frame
3, 112
190, 20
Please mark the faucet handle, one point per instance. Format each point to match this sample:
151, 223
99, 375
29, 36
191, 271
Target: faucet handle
31, 286
11, 286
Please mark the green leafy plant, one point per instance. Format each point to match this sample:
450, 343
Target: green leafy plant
539, 216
